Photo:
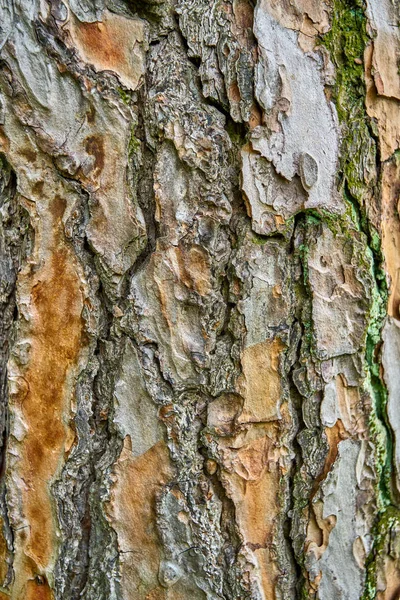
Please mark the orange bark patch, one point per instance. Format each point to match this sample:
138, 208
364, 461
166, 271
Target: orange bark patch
99, 43
38, 589
234, 93
132, 514
56, 333
254, 488
385, 110
191, 267
260, 383
254, 459
114, 44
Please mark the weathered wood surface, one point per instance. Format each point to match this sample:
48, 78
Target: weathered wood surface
199, 292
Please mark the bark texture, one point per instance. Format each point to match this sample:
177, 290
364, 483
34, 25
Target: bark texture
200, 291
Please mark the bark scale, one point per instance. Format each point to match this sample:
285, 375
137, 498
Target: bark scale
200, 328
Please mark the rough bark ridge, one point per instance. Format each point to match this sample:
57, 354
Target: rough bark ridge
200, 291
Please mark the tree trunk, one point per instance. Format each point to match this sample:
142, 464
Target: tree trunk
200, 326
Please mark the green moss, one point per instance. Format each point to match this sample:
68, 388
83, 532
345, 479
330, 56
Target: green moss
260, 240
346, 41
124, 95
134, 144
334, 221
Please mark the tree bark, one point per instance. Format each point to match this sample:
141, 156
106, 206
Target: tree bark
200, 326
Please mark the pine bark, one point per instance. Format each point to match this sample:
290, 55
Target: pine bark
199, 292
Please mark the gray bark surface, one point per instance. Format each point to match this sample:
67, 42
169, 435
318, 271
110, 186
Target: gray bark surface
199, 300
